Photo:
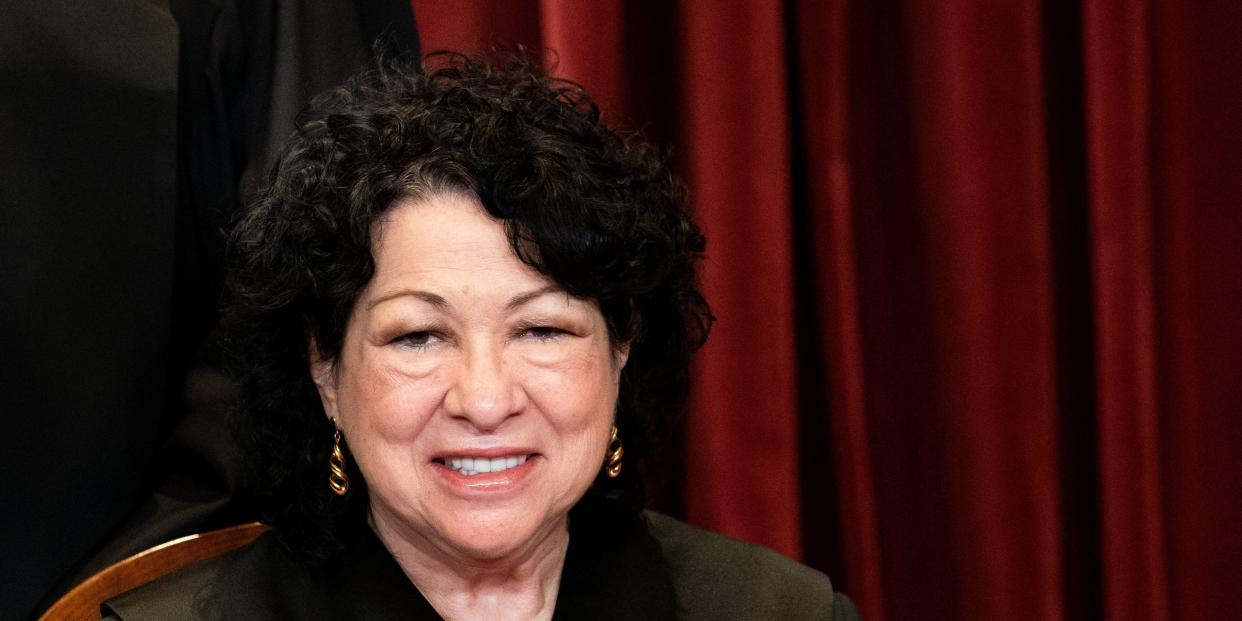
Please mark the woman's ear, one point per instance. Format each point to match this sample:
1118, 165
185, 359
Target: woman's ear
323, 372
620, 355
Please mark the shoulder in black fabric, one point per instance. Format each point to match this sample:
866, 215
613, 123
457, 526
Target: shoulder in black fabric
716, 577
264, 582
614, 568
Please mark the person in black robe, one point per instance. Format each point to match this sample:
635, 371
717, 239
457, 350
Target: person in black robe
129, 130
462, 312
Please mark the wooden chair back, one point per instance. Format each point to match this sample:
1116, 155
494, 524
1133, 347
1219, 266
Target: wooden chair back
83, 602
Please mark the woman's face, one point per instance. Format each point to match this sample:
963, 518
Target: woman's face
475, 395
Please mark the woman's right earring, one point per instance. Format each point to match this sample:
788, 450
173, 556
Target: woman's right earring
338, 480
615, 451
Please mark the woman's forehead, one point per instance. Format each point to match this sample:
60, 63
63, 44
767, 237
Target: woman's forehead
448, 246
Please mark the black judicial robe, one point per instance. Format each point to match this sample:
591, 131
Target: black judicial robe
126, 128
620, 565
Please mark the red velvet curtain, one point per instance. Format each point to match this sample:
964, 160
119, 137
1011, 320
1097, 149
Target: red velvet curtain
976, 268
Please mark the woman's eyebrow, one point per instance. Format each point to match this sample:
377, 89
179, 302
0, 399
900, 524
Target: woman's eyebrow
523, 298
435, 300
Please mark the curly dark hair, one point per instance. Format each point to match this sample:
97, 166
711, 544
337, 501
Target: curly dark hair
595, 211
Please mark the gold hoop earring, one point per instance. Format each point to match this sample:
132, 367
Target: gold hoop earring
338, 481
615, 451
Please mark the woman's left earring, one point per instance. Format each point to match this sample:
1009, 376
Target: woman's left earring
338, 481
615, 451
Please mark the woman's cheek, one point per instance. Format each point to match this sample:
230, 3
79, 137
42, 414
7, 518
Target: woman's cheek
403, 400
579, 387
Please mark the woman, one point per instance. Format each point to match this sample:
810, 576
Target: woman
463, 309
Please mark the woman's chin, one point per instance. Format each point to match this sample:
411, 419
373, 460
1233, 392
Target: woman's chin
494, 536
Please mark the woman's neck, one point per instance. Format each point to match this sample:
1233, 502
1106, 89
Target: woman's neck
522, 585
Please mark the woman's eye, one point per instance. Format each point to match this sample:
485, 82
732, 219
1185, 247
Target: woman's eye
419, 340
544, 333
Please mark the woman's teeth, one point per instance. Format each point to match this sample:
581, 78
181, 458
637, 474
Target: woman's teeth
471, 466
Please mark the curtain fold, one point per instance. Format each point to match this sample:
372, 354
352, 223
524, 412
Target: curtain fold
958, 294
1163, 141
830, 321
976, 271
736, 162
1118, 68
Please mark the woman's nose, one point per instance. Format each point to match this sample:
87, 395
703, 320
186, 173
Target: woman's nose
484, 391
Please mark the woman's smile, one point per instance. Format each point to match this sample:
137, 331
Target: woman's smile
485, 479
473, 466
